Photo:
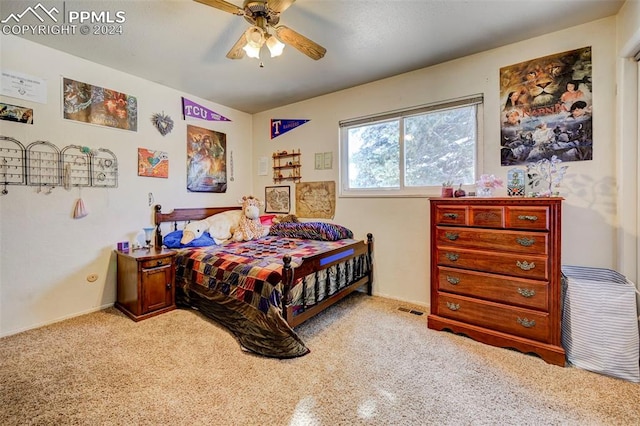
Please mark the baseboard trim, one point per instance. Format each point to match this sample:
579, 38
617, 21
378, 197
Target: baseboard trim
66, 317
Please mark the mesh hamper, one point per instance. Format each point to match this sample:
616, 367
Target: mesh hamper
600, 322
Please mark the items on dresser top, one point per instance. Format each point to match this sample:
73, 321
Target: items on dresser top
495, 272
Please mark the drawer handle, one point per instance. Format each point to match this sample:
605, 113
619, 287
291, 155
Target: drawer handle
453, 280
525, 266
525, 292
451, 236
452, 256
526, 323
524, 241
531, 218
451, 215
159, 262
454, 306
168, 286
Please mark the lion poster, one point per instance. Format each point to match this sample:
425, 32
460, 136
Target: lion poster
546, 109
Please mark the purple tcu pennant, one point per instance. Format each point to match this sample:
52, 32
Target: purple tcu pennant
192, 109
281, 126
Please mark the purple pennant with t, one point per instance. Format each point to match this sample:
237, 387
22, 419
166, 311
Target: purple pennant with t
280, 126
192, 109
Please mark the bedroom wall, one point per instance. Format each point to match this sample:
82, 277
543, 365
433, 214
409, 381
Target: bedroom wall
628, 135
46, 255
400, 225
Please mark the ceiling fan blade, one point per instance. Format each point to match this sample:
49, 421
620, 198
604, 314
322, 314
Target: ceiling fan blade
279, 6
300, 42
236, 51
223, 5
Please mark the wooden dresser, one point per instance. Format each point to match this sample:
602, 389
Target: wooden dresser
495, 272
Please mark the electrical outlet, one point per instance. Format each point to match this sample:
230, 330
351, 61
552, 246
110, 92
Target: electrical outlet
92, 277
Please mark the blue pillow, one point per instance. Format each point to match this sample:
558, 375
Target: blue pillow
172, 240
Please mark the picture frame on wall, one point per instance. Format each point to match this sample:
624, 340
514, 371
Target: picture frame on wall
277, 199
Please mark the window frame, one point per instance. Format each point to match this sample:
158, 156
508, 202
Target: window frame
403, 191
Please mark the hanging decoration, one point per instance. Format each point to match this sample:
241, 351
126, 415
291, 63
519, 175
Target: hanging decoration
162, 122
281, 126
80, 210
194, 110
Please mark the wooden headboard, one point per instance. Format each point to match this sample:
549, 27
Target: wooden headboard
183, 215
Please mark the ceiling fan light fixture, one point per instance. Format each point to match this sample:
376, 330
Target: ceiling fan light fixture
255, 36
252, 51
275, 46
255, 40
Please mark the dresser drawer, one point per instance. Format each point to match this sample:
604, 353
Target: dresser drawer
512, 241
513, 264
530, 217
451, 215
507, 319
156, 263
486, 216
497, 288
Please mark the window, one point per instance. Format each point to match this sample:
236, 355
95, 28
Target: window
411, 152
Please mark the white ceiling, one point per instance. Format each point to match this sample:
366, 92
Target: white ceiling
182, 44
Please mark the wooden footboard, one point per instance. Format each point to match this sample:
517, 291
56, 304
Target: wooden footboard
291, 276
296, 315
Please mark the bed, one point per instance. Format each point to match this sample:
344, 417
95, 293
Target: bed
261, 289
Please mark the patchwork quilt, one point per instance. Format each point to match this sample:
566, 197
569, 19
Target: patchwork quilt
239, 285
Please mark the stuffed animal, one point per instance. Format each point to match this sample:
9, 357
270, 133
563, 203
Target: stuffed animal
223, 225
286, 218
220, 226
250, 227
193, 231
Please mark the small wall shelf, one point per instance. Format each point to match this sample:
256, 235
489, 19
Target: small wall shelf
286, 166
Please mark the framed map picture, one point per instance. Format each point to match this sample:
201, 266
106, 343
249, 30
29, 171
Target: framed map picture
316, 199
277, 199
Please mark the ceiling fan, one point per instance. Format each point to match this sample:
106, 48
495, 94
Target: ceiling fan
264, 15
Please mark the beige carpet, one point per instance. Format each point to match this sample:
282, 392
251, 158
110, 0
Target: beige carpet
371, 364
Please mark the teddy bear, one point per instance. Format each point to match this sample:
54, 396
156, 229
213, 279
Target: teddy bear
250, 227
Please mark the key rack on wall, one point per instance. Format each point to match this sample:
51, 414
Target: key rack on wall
43, 165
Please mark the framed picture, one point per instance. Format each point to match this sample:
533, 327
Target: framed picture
153, 163
16, 113
328, 160
515, 183
277, 199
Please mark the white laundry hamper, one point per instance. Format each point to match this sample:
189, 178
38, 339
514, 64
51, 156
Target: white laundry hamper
600, 322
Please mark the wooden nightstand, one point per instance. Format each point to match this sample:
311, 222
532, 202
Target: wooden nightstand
145, 283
